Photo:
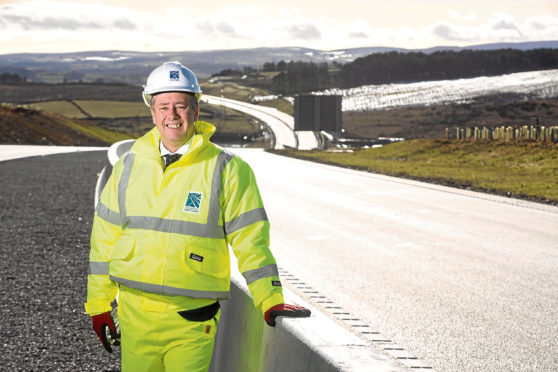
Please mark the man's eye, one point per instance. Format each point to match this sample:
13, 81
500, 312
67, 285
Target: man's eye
181, 107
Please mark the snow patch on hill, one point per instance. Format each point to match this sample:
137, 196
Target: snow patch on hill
532, 84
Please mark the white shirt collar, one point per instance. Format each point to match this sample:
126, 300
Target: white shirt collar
182, 150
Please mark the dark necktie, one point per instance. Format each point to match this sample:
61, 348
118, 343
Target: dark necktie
170, 158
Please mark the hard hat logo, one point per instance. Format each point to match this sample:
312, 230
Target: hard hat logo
171, 77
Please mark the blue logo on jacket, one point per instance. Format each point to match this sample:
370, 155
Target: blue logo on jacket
193, 202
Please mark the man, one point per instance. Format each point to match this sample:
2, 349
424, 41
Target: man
161, 232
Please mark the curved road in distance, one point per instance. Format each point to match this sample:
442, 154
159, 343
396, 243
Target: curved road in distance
280, 123
464, 281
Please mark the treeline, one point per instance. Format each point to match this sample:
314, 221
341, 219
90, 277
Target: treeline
397, 67
7, 78
290, 77
299, 77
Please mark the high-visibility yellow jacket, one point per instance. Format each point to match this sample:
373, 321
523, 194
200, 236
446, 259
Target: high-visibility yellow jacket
167, 232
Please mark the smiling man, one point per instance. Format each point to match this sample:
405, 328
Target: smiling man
161, 236
174, 114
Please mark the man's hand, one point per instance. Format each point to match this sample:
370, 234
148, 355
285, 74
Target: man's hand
100, 324
290, 311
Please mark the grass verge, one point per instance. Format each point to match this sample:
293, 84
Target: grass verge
525, 170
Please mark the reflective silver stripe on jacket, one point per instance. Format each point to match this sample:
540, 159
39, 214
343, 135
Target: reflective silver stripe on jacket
214, 206
108, 215
177, 227
209, 230
170, 291
263, 272
245, 219
123, 186
98, 268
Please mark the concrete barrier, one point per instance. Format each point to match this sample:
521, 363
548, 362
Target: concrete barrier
244, 342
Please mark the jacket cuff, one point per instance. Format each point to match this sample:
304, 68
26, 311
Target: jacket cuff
96, 307
274, 299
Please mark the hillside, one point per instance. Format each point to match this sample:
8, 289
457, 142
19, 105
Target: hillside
20, 125
432, 120
132, 67
37, 92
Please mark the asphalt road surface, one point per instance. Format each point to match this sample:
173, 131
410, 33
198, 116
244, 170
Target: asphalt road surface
464, 281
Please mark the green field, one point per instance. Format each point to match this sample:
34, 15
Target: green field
520, 169
94, 108
64, 108
114, 109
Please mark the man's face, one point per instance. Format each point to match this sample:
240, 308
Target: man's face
174, 116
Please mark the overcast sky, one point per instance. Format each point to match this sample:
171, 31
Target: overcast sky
182, 25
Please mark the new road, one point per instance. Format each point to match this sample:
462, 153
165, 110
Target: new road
281, 124
463, 281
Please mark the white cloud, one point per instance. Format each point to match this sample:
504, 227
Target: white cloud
358, 35
46, 16
358, 30
462, 17
541, 28
505, 26
306, 31
47, 25
499, 28
450, 32
219, 28
124, 24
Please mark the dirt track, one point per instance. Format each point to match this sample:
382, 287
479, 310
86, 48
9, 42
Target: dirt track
45, 221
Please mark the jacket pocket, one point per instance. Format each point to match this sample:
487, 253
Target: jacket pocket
201, 314
123, 249
207, 262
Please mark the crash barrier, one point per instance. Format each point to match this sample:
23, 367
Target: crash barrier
508, 133
245, 343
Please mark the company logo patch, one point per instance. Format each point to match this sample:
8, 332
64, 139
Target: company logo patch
196, 257
193, 202
276, 283
174, 75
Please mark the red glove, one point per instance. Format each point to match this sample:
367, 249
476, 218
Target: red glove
290, 311
104, 327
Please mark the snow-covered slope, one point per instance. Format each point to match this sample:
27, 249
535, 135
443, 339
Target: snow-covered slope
536, 84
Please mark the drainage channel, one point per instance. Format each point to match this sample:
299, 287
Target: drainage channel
354, 324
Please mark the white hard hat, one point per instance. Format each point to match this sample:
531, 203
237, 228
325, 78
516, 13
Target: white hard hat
171, 77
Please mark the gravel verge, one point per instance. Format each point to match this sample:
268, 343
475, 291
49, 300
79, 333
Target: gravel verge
45, 221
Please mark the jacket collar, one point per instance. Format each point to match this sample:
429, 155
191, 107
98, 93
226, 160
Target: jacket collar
148, 145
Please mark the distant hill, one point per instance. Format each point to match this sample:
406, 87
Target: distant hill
133, 67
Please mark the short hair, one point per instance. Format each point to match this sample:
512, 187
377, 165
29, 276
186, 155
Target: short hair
193, 99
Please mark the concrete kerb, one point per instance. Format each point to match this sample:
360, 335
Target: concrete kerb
245, 343
9, 152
